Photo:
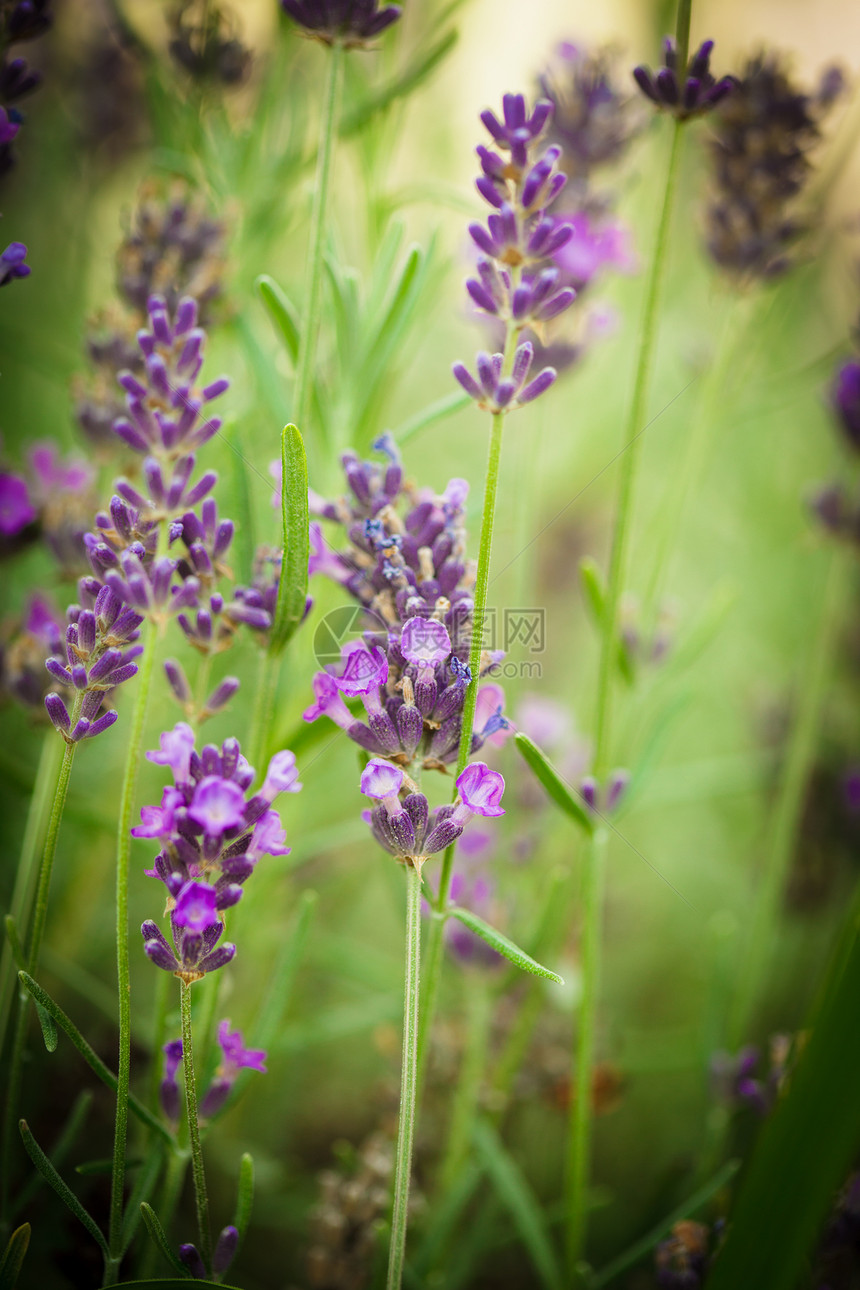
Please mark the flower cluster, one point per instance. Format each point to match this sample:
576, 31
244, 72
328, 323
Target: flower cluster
352, 23
684, 92
211, 834
99, 652
174, 249
760, 156
204, 42
19, 20
409, 669
516, 283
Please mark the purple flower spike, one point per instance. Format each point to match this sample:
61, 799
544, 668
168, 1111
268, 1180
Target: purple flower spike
349, 22
481, 789
496, 393
13, 259
196, 907
687, 95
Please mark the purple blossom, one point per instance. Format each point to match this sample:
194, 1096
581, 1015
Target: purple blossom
13, 259
217, 806
364, 670
175, 749
169, 1088
381, 780
481, 789
193, 953
235, 1058
16, 508
425, 642
595, 244
685, 92
497, 393
602, 801
349, 22
517, 128
846, 401
282, 775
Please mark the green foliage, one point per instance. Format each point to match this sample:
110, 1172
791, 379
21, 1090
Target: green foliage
560, 792
502, 944
13, 1257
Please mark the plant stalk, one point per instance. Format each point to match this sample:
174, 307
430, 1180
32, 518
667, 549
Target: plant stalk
123, 857
201, 1195
408, 1082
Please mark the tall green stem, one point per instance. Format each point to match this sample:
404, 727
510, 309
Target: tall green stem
630, 457
579, 1139
593, 877
482, 582
408, 1082
782, 833
319, 223
27, 872
201, 1196
40, 913
123, 857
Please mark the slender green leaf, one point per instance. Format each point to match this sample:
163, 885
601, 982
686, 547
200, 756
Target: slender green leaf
89, 1055
388, 327
152, 1223
13, 1257
282, 311
432, 414
404, 84
807, 1145
15, 942
643, 1247
65, 1193
594, 588
293, 585
49, 1030
558, 790
518, 1198
245, 1197
501, 944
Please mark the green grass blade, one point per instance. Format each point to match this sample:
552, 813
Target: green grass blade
518, 1198
245, 1197
60, 1150
65, 1193
282, 312
552, 781
13, 1257
502, 945
293, 586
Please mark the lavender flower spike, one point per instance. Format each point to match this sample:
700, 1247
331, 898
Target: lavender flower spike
685, 92
496, 393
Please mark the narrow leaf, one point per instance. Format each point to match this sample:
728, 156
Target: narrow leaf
245, 1198
518, 1198
65, 1193
552, 781
60, 1149
594, 588
501, 944
14, 941
282, 311
13, 1257
152, 1223
293, 584
89, 1055
49, 1030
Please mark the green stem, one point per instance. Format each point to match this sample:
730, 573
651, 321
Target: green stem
408, 1083
313, 282
579, 1142
123, 856
799, 757
200, 1194
482, 581
40, 913
630, 457
25, 878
